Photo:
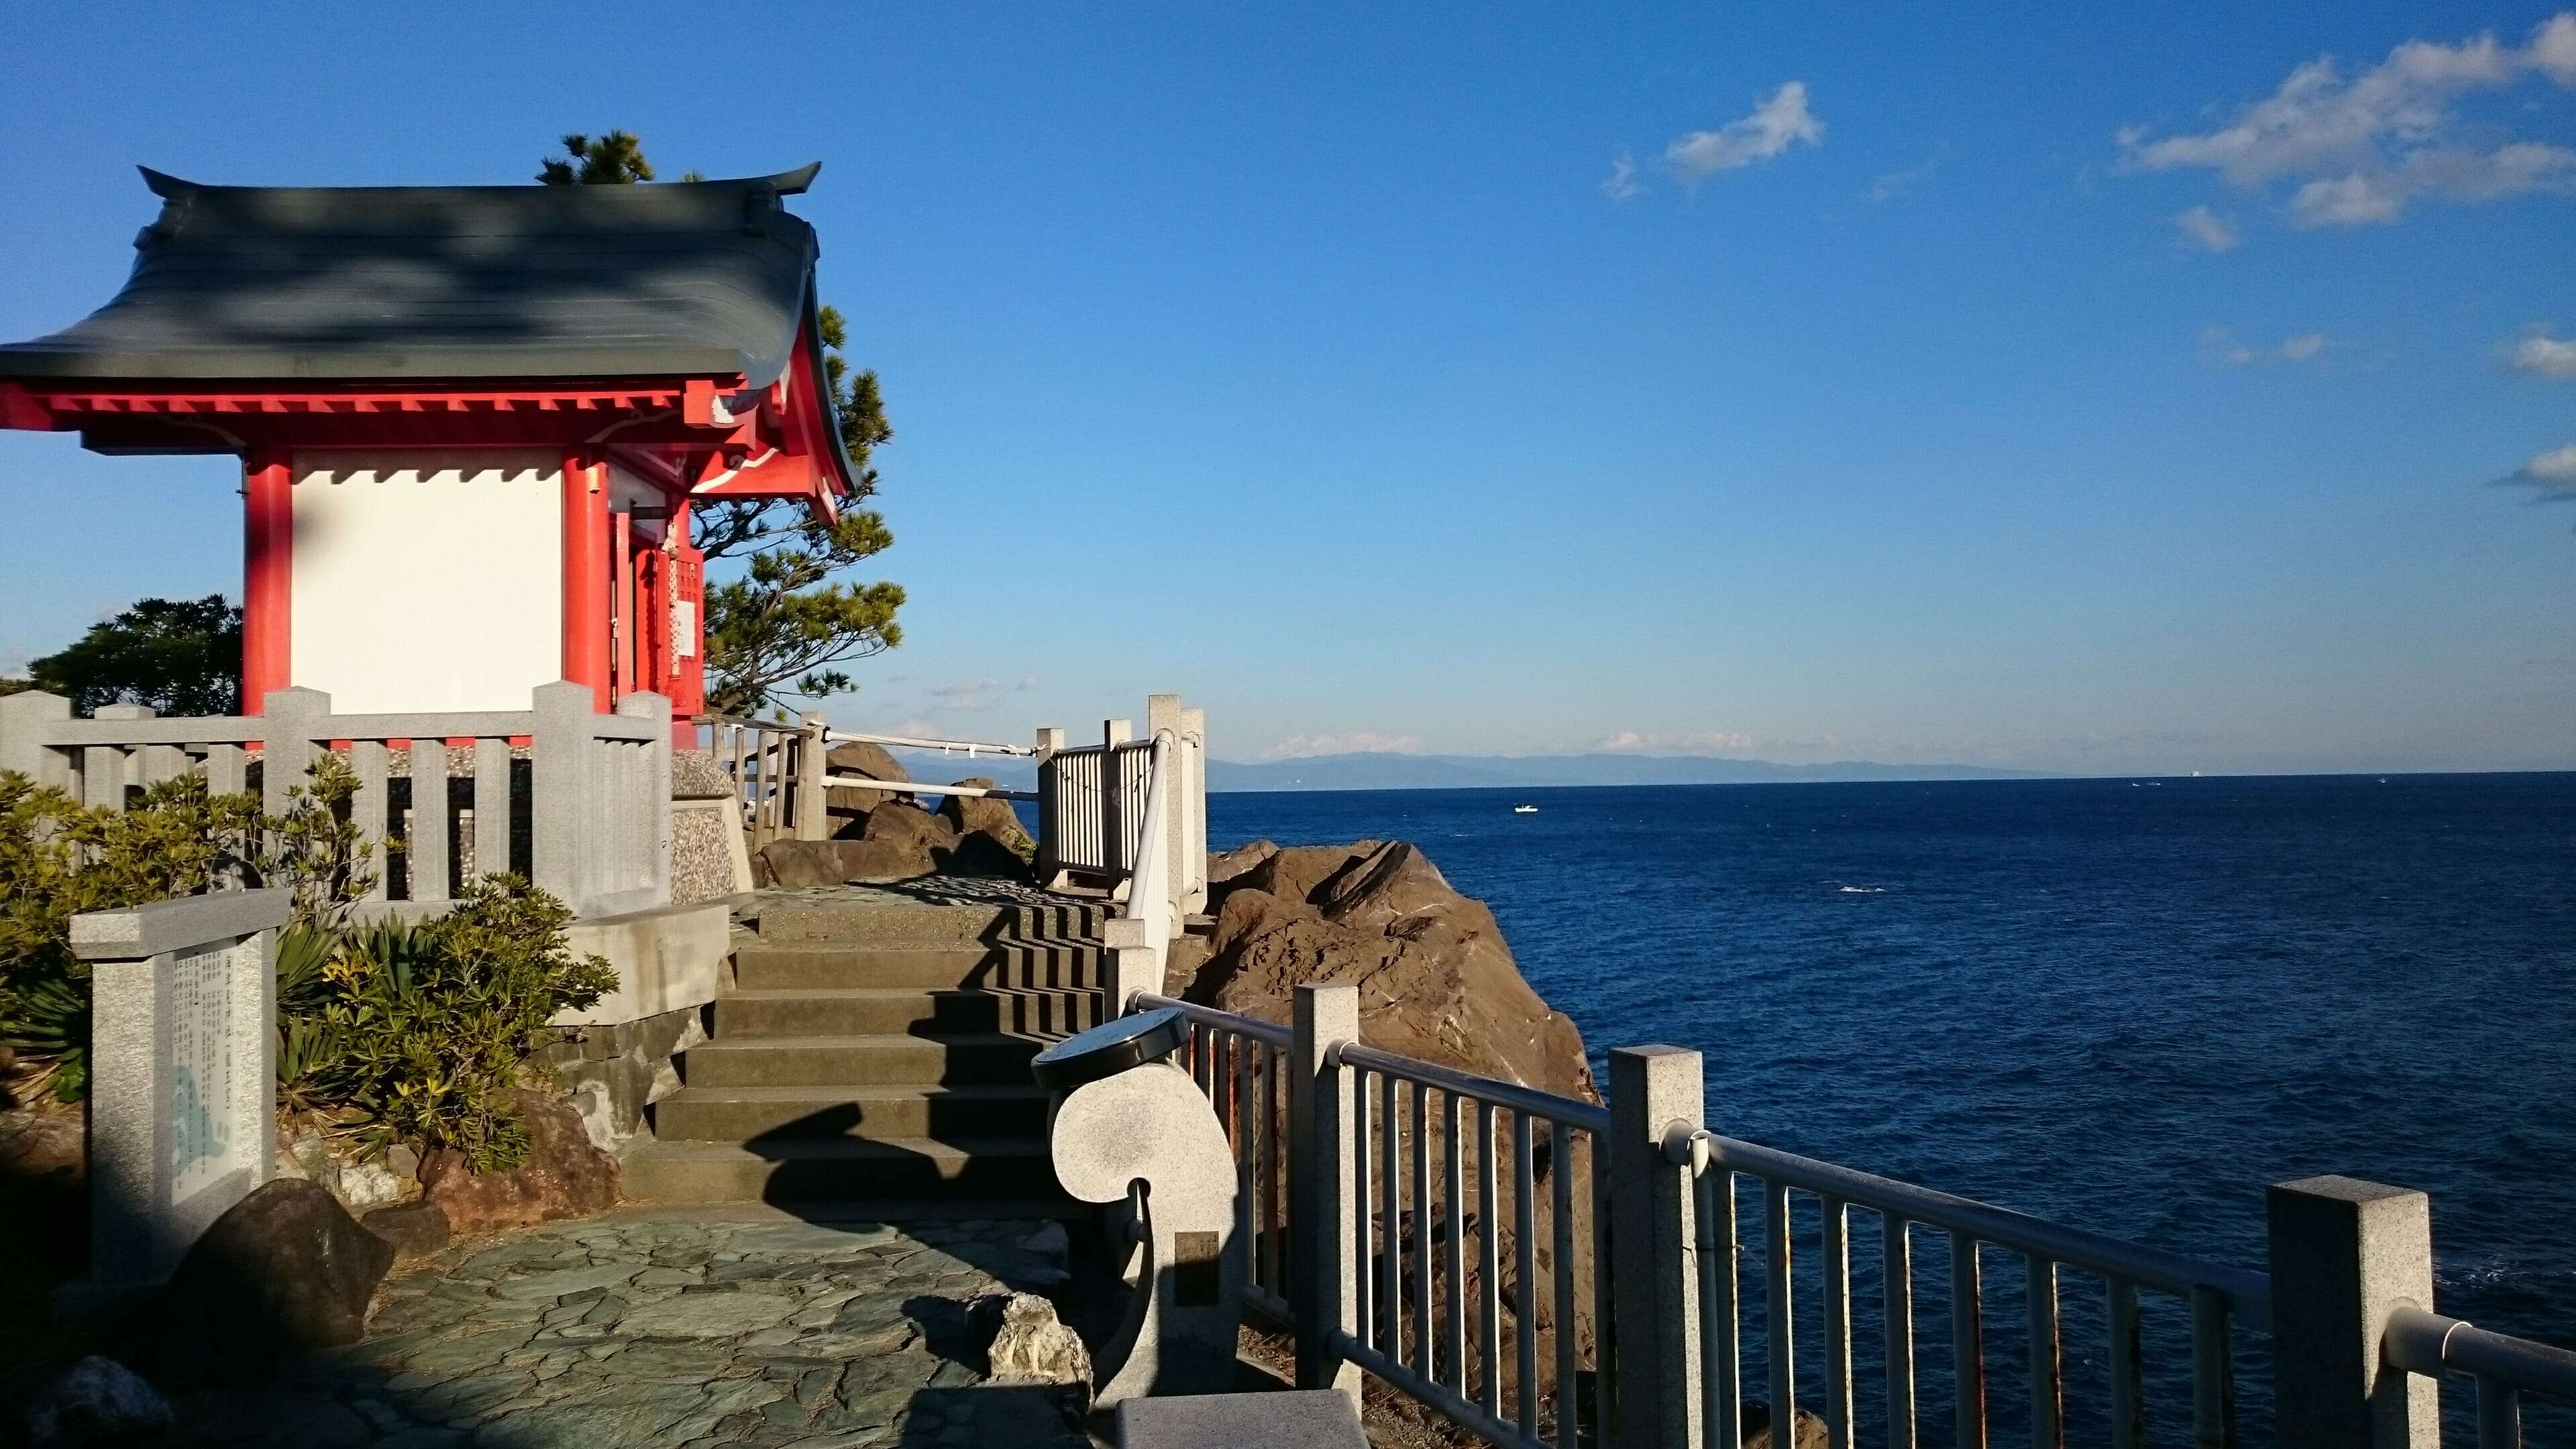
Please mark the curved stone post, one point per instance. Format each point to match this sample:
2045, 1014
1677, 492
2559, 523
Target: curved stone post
1150, 1125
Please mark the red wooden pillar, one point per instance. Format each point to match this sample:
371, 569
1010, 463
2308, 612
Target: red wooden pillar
628, 643
586, 575
268, 577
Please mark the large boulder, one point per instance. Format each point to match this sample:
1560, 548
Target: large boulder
881, 860
798, 865
971, 814
283, 1271
1223, 866
851, 804
564, 1176
1294, 874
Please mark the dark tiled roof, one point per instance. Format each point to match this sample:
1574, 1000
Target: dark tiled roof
403, 282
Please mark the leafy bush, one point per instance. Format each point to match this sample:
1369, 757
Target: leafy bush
417, 1033
59, 859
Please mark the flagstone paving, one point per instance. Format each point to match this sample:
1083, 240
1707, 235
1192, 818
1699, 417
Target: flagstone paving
649, 1328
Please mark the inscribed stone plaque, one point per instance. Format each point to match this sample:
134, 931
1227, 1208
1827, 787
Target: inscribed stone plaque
201, 1066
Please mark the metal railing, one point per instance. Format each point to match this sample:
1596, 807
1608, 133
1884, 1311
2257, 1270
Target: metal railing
2503, 1367
2215, 1295
1459, 1317
969, 748
777, 771
1417, 1196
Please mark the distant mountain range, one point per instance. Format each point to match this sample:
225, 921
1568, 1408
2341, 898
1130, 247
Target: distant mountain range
1496, 772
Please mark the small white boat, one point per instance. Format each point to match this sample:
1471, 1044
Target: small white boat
1524, 810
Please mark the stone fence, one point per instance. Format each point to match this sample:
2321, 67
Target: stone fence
579, 802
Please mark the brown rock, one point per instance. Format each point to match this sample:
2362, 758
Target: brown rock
1225, 865
797, 865
857, 757
876, 862
967, 814
850, 804
979, 854
1811, 1432
415, 1229
903, 821
564, 1176
283, 1271
1294, 873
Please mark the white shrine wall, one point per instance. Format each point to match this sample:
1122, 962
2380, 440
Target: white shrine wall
427, 580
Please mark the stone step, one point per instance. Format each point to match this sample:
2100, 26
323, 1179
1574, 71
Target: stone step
1008, 962
956, 1058
873, 1010
854, 922
841, 1169
878, 1112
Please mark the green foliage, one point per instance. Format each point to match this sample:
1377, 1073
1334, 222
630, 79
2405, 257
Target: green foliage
616, 159
417, 1033
180, 656
784, 625
59, 859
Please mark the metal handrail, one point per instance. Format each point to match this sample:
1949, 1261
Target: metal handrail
1251, 1026
1574, 1113
2248, 1294
2505, 1367
908, 742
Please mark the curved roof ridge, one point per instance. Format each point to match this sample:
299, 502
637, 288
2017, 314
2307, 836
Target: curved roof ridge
785, 183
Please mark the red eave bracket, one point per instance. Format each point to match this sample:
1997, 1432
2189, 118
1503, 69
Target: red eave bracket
19, 411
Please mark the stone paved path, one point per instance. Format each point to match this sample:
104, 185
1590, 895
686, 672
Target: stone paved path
658, 1327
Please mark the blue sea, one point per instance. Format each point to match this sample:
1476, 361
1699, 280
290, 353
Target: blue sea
2124, 1004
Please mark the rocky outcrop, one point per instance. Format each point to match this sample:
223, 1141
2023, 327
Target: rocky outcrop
564, 1176
1435, 982
898, 841
412, 1229
285, 1270
1224, 865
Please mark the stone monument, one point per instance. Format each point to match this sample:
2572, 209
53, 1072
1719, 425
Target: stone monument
1131, 1129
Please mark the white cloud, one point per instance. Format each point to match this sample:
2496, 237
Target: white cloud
2552, 475
1701, 742
1348, 742
968, 693
2362, 148
913, 727
2219, 348
2545, 355
1897, 183
2208, 230
1778, 122
1622, 182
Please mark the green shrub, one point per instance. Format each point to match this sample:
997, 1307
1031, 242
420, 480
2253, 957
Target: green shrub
417, 1033
59, 859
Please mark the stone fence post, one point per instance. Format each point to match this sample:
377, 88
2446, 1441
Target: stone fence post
2345, 1254
562, 801
1324, 1293
1654, 1341
813, 817
290, 721
24, 718
183, 1074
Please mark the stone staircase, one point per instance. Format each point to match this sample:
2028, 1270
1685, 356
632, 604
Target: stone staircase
878, 1052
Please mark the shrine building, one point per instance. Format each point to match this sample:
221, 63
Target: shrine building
471, 419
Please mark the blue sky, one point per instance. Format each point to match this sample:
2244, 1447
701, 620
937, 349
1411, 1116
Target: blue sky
2173, 390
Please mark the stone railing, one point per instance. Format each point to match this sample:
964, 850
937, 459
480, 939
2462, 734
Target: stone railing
1547, 1272
579, 802
183, 1072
